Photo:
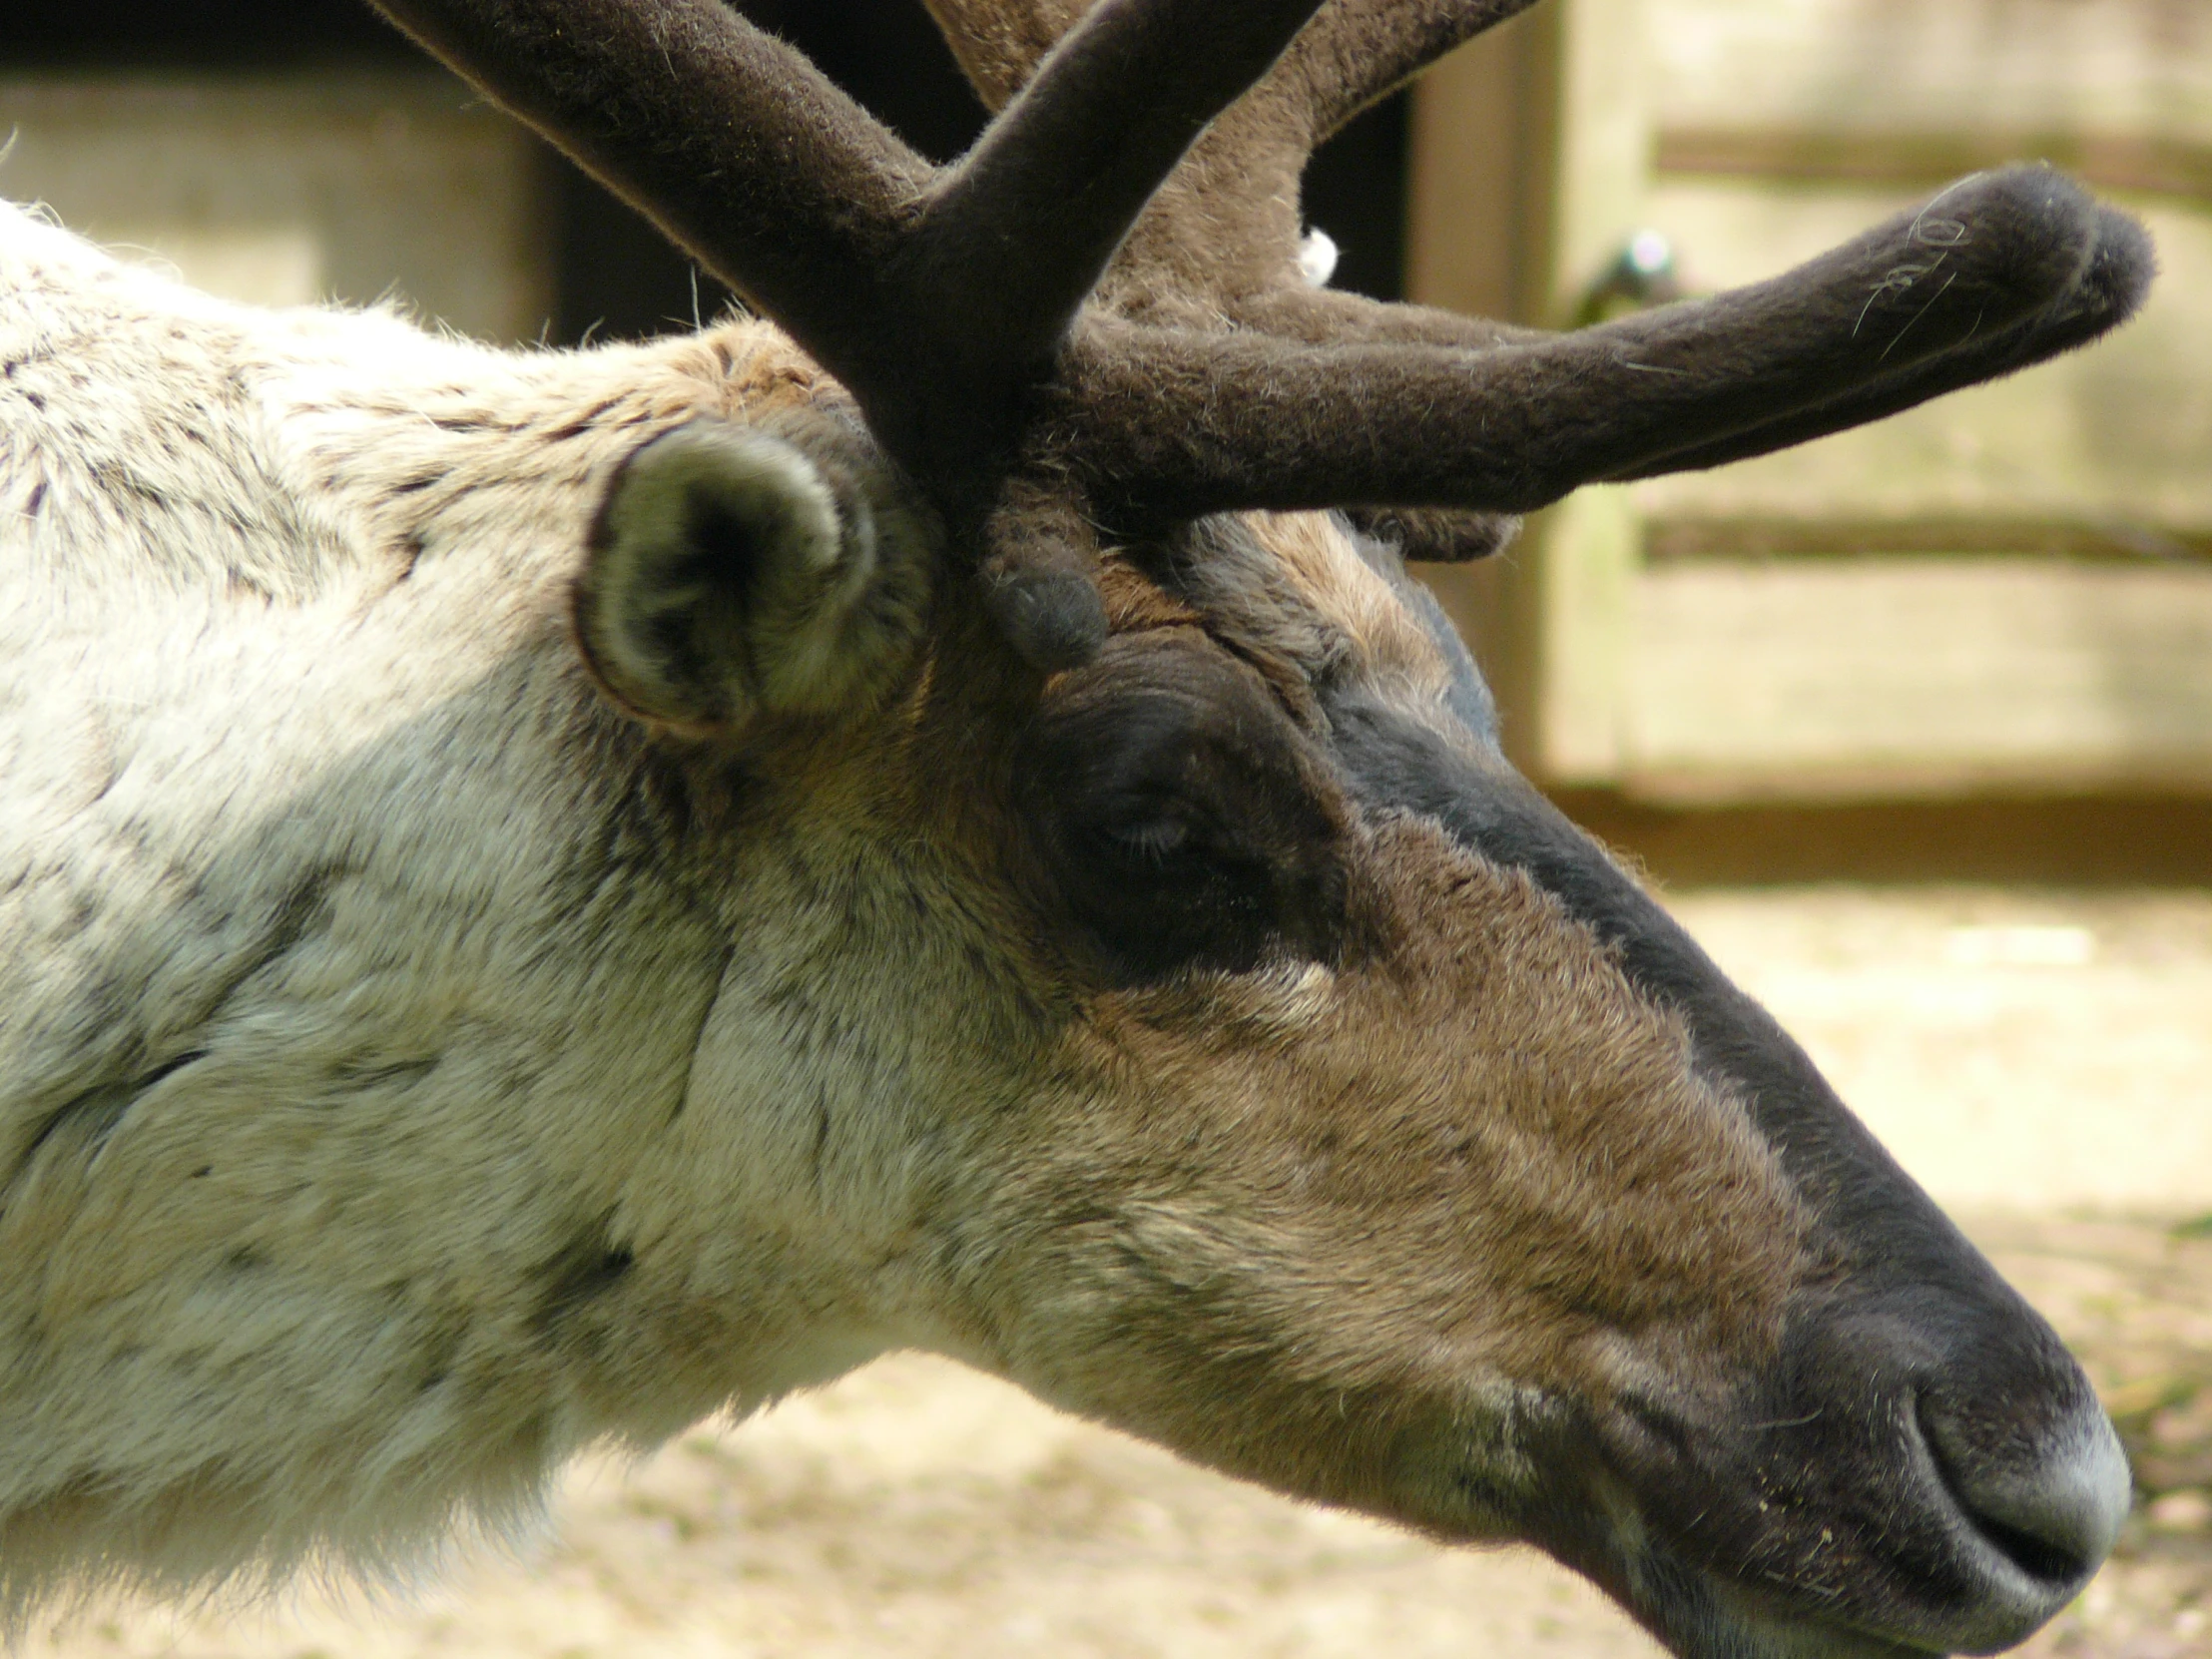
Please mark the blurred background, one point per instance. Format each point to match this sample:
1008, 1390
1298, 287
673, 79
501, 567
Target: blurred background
1914, 726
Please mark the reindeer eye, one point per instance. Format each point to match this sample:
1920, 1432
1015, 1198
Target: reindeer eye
1153, 839
1154, 897
1174, 821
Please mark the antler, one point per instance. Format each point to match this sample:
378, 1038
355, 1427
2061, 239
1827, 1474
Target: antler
917, 287
939, 296
1097, 310
1227, 222
2018, 263
1513, 432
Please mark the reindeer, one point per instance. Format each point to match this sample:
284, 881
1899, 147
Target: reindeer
544, 895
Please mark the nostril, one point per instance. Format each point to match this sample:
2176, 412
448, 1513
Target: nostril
2038, 1557
2050, 1503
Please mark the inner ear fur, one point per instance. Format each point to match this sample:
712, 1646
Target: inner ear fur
736, 572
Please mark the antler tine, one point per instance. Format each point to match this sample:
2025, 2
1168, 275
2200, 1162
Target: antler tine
999, 43
1073, 160
1224, 229
2111, 290
936, 296
1355, 53
1360, 51
1211, 423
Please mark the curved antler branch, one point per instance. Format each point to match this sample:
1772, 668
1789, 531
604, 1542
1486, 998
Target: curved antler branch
1354, 52
1196, 425
2112, 288
1020, 234
729, 139
936, 295
1361, 51
999, 43
1226, 224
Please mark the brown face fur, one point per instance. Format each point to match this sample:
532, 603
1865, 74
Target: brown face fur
1346, 1150
1310, 1130
1469, 1156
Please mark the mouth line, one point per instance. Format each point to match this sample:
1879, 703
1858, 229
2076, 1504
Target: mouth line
1706, 1612
1943, 1575
1703, 1608
1721, 1619
1941, 1586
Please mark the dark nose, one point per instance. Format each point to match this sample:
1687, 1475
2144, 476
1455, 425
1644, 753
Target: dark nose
2044, 1498
1990, 1454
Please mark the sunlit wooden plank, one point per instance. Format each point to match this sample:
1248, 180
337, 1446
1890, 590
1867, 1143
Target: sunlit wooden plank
1905, 676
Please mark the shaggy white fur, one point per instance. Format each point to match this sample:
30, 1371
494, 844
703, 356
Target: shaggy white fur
347, 1032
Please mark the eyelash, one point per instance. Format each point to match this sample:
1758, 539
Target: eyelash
1155, 840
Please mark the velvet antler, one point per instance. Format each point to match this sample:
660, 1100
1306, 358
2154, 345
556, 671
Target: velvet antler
1098, 311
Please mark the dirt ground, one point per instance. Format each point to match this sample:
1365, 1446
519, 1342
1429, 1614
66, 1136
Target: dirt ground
2045, 1063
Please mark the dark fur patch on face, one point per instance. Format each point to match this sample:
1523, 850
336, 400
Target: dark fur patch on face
1178, 819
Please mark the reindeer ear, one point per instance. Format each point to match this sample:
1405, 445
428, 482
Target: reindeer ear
741, 571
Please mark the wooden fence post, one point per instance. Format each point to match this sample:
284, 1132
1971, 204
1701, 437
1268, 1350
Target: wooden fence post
1530, 154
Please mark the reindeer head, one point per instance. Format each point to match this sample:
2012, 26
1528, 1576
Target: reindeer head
1296, 1087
